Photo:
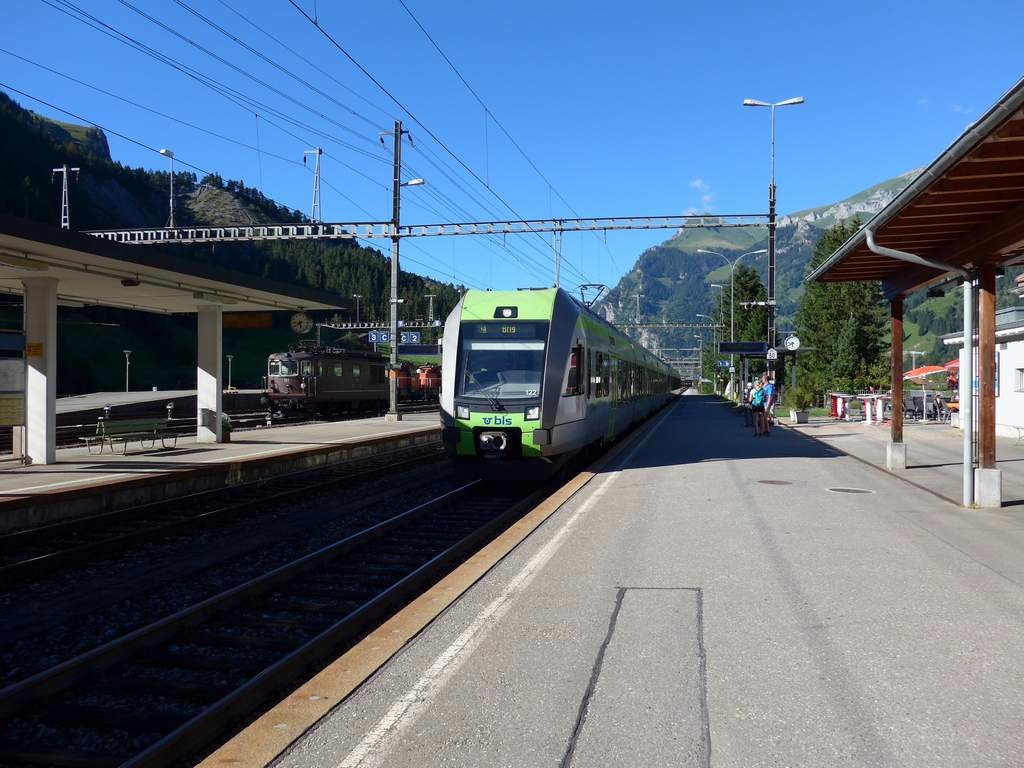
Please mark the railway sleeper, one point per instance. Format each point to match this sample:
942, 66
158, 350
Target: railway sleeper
223, 637
12, 754
191, 661
178, 689
142, 721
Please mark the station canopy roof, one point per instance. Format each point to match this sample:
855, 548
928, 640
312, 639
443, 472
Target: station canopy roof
93, 271
965, 209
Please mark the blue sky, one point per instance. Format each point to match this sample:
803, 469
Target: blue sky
626, 109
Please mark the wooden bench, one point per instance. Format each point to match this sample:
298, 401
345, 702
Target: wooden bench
126, 430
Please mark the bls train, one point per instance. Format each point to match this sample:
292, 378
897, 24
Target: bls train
534, 376
311, 380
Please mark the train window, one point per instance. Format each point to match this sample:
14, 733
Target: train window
572, 382
284, 368
355, 371
377, 374
307, 367
339, 370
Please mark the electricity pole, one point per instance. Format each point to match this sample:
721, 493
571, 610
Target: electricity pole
430, 312
315, 214
170, 156
65, 208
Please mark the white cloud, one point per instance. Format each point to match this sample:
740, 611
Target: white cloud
707, 199
958, 109
699, 184
922, 102
691, 211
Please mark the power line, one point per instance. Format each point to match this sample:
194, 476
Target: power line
276, 65
401, 106
489, 113
236, 97
241, 71
298, 55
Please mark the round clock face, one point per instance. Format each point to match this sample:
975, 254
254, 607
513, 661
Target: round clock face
792, 343
301, 322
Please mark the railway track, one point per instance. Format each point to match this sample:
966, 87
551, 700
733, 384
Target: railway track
167, 691
38, 551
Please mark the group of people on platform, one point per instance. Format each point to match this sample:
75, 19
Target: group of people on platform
759, 398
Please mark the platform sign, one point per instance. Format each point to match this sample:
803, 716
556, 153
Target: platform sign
742, 347
384, 337
722, 363
772, 354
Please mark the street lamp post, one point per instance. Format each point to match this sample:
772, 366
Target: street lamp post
357, 297
771, 212
170, 155
396, 208
232, 357
732, 295
127, 363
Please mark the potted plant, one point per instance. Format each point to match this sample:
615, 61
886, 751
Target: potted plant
802, 400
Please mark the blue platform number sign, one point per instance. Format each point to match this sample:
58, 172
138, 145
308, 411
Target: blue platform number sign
384, 337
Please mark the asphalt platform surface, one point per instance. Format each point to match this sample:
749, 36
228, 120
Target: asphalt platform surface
712, 598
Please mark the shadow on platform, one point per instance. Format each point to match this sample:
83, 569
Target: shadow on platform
703, 428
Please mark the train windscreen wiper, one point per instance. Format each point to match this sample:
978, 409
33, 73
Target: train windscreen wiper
495, 402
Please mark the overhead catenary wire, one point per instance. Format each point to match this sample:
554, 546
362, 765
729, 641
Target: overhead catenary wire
280, 67
240, 99
489, 115
259, 81
316, 24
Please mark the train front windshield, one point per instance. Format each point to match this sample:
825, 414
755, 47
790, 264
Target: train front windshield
284, 368
502, 360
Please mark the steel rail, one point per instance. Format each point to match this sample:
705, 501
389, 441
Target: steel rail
147, 522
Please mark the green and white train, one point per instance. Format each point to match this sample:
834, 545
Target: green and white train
535, 376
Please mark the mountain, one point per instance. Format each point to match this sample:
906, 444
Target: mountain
674, 278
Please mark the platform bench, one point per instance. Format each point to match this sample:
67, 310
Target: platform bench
126, 430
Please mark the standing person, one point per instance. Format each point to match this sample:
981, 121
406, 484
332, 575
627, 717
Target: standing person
757, 404
769, 406
746, 404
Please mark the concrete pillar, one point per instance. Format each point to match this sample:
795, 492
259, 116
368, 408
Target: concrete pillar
41, 369
208, 375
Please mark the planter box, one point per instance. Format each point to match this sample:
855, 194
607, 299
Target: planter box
797, 417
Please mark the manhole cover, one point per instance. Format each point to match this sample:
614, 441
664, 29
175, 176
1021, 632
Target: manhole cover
774, 482
849, 490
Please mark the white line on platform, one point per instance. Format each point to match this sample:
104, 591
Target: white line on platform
373, 749
295, 448
12, 491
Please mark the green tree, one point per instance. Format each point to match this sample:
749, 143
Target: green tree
842, 324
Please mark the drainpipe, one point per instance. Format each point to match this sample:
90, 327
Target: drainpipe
966, 403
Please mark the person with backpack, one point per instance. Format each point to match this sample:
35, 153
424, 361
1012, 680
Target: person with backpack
769, 406
757, 404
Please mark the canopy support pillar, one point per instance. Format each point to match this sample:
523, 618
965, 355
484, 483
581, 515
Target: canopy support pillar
208, 375
988, 481
896, 450
41, 369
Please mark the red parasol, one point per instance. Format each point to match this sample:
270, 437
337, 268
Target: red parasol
924, 370
952, 365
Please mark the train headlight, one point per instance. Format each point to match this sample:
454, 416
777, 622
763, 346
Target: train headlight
533, 413
462, 411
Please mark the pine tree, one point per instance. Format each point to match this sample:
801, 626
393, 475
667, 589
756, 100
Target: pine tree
842, 325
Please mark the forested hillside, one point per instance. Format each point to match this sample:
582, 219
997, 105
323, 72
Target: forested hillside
108, 194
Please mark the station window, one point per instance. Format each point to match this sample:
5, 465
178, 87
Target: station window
1018, 380
572, 382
